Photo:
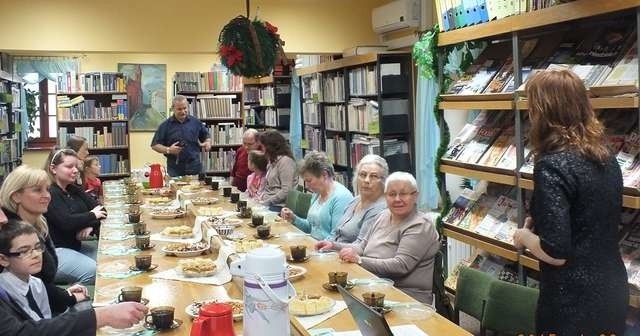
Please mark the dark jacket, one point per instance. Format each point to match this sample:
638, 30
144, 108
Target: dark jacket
69, 212
14, 321
59, 299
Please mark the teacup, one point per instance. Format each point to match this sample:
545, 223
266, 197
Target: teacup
130, 294
215, 185
338, 278
257, 219
235, 197
161, 317
139, 228
143, 241
134, 217
264, 231
374, 299
226, 191
298, 252
242, 204
143, 262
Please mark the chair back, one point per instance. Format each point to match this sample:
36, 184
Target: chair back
292, 199
510, 309
441, 299
472, 291
303, 204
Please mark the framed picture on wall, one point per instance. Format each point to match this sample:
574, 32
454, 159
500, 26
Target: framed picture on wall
147, 94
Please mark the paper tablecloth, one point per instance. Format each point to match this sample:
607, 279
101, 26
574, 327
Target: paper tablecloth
310, 321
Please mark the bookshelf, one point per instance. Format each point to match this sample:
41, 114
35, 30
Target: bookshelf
95, 106
216, 99
513, 31
267, 103
11, 91
358, 105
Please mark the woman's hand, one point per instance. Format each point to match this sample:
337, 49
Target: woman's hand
99, 212
287, 214
521, 237
349, 254
80, 292
324, 246
84, 234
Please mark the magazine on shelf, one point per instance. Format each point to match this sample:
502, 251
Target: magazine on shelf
501, 221
476, 78
461, 207
484, 137
477, 212
499, 147
625, 71
466, 134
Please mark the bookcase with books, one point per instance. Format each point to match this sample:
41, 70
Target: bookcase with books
598, 42
94, 106
359, 105
216, 98
11, 90
267, 103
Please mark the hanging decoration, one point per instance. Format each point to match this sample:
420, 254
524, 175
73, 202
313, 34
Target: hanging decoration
250, 48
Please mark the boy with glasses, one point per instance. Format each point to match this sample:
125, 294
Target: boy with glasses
21, 256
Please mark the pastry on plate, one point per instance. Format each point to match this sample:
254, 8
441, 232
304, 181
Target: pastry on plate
182, 231
197, 267
310, 305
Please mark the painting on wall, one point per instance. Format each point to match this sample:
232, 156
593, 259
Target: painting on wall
147, 94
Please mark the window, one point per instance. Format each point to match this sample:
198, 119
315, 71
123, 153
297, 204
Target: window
45, 125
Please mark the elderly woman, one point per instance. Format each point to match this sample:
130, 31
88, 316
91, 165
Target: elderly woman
281, 170
402, 243
328, 202
72, 216
363, 210
24, 195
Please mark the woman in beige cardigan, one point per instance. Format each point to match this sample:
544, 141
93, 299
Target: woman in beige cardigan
402, 243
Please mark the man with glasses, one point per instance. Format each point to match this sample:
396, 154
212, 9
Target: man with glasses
240, 170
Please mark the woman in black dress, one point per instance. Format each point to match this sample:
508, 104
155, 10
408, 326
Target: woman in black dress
575, 213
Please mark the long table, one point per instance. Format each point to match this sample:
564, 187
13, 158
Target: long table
180, 294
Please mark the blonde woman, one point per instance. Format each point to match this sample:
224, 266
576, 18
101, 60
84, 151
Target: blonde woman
24, 195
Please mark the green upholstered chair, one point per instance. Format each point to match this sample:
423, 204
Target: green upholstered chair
472, 290
292, 199
510, 309
302, 207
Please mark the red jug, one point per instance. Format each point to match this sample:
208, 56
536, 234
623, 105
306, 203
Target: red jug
156, 180
214, 319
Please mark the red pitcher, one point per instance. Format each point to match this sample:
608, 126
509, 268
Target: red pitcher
156, 180
214, 319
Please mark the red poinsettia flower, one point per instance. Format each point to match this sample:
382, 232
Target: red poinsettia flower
231, 54
271, 28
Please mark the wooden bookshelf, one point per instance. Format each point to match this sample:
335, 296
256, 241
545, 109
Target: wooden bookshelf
90, 93
338, 64
526, 184
579, 9
187, 93
478, 174
90, 121
628, 201
529, 262
598, 103
221, 119
257, 81
473, 105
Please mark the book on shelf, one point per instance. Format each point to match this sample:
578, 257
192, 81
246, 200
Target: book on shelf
251, 94
335, 117
477, 212
80, 108
461, 207
113, 164
617, 124
333, 87
466, 134
504, 76
226, 134
336, 149
303, 61
498, 148
217, 106
313, 137
115, 136
473, 150
362, 81
363, 116
271, 117
362, 145
91, 82
311, 87
311, 113
501, 221
220, 160
476, 78
218, 79
10, 150
266, 96
625, 71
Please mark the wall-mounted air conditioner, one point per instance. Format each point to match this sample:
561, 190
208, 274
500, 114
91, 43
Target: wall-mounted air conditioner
396, 15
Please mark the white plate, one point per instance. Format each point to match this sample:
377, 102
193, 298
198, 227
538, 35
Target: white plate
183, 254
193, 311
157, 215
301, 271
328, 309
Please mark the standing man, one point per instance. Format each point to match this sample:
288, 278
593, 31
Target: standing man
240, 169
181, 138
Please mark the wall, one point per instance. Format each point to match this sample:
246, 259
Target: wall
169, 26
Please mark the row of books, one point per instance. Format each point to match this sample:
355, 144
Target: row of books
261, 95
311, 87
226, 134
342, 177
218, 79
333, 87
603, 55
454, 14
253, 116
113, 164
218, 161
313, 137
361, 145
216, 106
303, 61
363, 81
336, 149
4, 119
91, 82
114, 136
311, 113
79, 108
335, 118
9, 151
363, 116
277, 117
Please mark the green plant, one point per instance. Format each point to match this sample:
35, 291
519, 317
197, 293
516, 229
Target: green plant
32, 108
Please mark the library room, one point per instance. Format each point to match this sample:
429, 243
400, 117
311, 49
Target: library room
318, 168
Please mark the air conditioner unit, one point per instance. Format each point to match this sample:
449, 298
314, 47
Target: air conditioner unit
396, 15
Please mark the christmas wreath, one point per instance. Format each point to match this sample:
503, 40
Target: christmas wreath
250, 48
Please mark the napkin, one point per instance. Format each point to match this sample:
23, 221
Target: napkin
310, 321
222, 276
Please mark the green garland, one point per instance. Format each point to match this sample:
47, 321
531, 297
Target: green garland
249, 48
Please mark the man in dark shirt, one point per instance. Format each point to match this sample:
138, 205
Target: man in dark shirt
240, 169
181, 138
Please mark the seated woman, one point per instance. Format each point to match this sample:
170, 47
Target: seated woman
281, 171
402, 243
369, 177
72, 216
329, 199
24, 195
256, 181
80, 145
90, 181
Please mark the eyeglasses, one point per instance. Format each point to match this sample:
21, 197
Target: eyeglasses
402, 195
372, 176
27, 253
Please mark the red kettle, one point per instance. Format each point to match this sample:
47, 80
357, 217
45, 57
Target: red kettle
214, 319
156, 180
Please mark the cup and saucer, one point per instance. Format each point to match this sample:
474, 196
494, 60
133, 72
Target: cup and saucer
134, 268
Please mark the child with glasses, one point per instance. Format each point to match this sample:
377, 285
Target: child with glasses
21, 255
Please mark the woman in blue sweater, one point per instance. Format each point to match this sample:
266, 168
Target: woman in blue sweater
329, 200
